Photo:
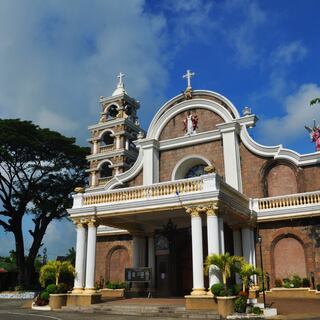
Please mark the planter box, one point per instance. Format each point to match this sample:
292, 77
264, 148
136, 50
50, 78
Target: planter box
226, 305
112, 293
292, 293
56, 301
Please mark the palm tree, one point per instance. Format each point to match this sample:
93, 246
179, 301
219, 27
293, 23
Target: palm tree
52, 270
246, 271
226, 264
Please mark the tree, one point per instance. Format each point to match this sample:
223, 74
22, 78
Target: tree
226, 264
39, 169
246, 271
314, 101
53, 270
71, 256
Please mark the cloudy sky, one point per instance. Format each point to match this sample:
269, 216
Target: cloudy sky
58, 57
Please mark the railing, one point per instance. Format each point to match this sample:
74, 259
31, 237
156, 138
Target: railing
155, 190
294, 200
103, 181
107, 148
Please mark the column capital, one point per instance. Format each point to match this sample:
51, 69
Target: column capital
212, 210
92, 222
193, 211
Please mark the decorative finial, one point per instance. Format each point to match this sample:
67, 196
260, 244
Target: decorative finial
188, 76
246, 111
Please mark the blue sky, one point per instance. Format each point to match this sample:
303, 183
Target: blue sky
58, 57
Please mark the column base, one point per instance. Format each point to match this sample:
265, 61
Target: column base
90, 290
209, 293
200, 303
77, 290
198, 292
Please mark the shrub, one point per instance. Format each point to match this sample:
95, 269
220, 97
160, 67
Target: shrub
235, 289
44, 295
296, 281
217, 289
305, 282
318, 287
51, 288
278, 283
240, 304
256, 310
116, 285
62, 288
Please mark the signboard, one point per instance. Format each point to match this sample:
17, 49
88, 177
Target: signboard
138, 274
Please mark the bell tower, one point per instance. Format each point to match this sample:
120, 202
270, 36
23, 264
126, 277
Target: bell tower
113, 150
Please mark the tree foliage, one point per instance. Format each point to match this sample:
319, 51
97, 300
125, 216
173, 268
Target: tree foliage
314, 101
39, 169
226, 264
246, 271
52, 271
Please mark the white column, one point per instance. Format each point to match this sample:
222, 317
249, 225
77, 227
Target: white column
117, 142
237, 248
95, 147
151, 259
197, 253
80, 258
246, 244
150, 161
253, 254
136, 251
91, 256
221, 235
93, 178
213, 242
231, 154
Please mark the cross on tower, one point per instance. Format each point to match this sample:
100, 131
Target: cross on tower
120, 76
188, 76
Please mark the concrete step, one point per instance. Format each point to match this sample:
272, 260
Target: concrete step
146, 311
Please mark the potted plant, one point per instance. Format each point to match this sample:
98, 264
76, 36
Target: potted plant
224, 294
114, 290
52, 272
246, 272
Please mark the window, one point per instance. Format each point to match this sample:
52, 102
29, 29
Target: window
105, 170
195, 171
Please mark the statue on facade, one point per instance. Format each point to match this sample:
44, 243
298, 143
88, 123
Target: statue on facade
315, 134
190, 124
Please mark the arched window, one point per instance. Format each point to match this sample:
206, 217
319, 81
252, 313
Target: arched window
195, 171
105, 170
107, 139
191, 166
112, 111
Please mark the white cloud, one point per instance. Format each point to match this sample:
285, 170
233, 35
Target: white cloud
289, 53
57, 58
290, 126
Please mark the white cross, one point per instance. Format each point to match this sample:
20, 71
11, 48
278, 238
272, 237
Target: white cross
188, 75
120, 76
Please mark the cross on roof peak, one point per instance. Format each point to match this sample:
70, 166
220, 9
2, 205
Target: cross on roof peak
120, 83
188, 76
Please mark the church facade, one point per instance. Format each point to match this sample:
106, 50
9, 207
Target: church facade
194, 184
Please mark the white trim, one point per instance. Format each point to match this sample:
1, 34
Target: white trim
104, 108
187, 159
102, 162
278, 152
155, 131
103, 132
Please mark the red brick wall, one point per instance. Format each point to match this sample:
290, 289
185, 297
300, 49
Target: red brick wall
212, 151
303, 230
207, 122
311, 178
251, 165
281, 180
136, 181
106, 246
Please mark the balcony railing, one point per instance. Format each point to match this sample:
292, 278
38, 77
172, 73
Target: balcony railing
145, 192
106, 148
287, 201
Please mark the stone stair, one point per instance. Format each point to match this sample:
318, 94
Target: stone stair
146, 311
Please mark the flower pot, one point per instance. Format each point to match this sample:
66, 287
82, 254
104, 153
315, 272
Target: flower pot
56, 301
112, 293
226, 305
254, 293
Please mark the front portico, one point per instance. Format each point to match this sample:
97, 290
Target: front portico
198, 205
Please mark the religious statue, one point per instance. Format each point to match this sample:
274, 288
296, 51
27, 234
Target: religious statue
315, 134
190, 124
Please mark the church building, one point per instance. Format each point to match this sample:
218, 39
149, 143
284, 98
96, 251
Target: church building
195, 183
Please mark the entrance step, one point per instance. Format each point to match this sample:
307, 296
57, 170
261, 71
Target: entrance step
147, 311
